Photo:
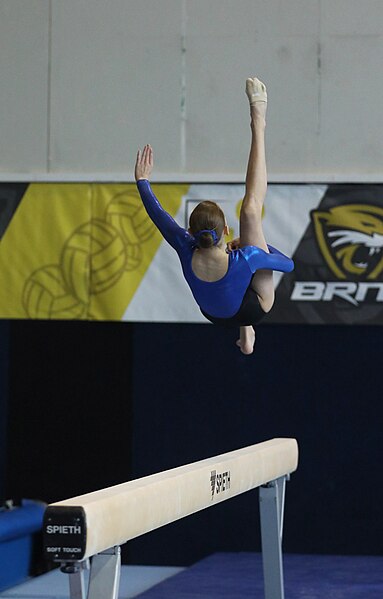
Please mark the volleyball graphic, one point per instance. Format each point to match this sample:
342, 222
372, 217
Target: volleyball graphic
93, 259
133, 257
127, 214
46, 296
92, 256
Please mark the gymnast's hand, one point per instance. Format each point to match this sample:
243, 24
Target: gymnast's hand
144, 163
234, 244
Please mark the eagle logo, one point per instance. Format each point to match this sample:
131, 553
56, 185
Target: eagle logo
350, 238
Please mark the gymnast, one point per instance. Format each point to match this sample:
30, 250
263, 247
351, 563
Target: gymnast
231, 283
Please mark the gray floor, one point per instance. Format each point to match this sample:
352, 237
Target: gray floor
55, 585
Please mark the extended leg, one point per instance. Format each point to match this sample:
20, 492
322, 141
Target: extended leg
251, 232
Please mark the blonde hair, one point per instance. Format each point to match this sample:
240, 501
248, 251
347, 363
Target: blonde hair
206, 223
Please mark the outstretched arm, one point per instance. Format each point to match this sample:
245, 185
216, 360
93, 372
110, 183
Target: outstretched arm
168, 227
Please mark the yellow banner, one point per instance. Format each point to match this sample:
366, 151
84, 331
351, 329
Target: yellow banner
78, 251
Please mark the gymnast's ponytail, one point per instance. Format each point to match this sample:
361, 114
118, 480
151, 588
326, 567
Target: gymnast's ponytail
207, 222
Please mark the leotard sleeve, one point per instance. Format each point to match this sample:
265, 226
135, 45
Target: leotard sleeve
258, 259
171, 231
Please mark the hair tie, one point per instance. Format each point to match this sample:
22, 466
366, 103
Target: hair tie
212, 233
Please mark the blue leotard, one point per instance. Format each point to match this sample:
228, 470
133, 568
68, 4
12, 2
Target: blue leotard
222, 298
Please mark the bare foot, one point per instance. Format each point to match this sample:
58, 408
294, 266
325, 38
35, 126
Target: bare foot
246, 340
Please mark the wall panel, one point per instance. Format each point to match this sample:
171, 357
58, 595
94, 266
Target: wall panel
87, 83
24, 68
351, 115
278, 42
115, 84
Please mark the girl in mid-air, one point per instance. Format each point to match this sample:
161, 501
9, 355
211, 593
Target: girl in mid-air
233, 283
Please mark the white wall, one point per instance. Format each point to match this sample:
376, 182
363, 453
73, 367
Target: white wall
85, 82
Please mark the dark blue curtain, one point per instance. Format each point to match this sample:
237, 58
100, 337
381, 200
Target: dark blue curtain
196, 396
4, 364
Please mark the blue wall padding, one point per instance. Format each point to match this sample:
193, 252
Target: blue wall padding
21, 521
15, 559
17, 526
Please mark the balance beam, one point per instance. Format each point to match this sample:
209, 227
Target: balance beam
87, 525
91, 523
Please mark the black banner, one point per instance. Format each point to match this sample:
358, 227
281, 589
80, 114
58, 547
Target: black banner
338, 276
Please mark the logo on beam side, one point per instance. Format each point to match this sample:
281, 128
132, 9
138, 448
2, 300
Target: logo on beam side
219, 483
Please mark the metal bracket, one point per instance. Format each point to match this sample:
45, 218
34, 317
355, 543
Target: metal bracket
271, 506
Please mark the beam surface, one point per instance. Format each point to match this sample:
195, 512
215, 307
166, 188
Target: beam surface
83, 526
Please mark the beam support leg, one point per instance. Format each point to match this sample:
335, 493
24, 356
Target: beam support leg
75, 572
105, 573
271, 505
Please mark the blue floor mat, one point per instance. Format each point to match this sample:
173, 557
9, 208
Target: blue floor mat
239, 575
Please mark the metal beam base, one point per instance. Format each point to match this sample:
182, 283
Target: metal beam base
271, 506
75, 571
104, 580
105, 575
